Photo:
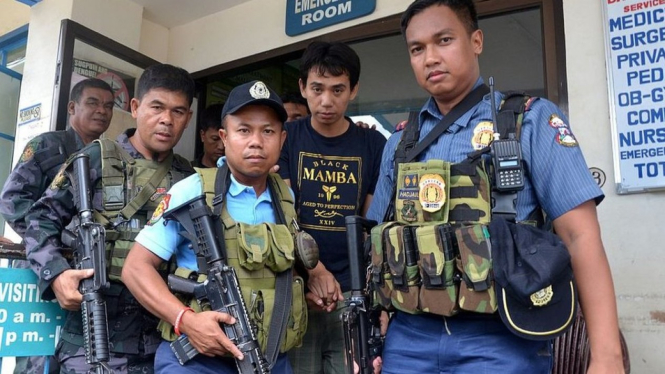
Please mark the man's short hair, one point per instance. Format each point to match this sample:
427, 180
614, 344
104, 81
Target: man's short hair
464, 9
294, 98
77, 91
211, 117
168, 77
334, 58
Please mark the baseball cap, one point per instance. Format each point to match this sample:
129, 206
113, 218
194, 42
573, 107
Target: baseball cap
536, 292
254, 92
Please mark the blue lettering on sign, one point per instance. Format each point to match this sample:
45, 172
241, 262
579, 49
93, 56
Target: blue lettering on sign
307, 15
646, 116
637, 19
650, 169
29, 326
642, 137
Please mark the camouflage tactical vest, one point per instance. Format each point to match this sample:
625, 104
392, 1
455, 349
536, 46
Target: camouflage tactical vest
434, 255
257, 253
131, 190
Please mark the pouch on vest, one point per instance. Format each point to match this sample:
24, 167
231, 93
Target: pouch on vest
257, 302
402, 258
281, 256
265, 244
439, 291
423, 190
476, 292
380, 272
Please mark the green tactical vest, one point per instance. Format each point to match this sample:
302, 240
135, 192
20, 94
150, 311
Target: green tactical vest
131, 190
256, 263
434, 255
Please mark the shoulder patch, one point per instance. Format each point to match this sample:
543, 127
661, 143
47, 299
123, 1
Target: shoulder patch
161, 208
28, 152
564, 136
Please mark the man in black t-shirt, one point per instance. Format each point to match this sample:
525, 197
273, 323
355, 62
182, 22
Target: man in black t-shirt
332, 166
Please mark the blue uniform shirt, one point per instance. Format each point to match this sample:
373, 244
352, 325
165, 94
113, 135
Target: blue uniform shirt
558, 178
162, 237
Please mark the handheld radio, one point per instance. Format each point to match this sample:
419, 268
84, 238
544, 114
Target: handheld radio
506, 156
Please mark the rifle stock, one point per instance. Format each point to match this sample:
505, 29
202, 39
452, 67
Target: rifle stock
362, 335
221, 290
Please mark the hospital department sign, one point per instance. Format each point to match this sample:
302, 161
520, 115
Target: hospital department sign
307, 15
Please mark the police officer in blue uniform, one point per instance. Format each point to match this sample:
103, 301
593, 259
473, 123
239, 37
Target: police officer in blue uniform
444, 42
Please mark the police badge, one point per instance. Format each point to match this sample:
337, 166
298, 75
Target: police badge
259, 91
432, 193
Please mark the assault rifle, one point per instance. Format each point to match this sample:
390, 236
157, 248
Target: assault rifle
362, 334
90, 253
221, 289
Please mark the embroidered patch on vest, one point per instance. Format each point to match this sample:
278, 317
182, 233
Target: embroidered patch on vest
161, 208
432, 194
409, 212
483, 134
565, 137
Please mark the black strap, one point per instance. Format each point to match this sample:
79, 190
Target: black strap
283, 291
222, 183
462, 107
409, 139
506, 119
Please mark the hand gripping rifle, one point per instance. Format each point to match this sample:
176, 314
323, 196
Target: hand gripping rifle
221, 290
362, 334
89, 253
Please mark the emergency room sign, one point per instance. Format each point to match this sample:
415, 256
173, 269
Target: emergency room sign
635, 53
307, 15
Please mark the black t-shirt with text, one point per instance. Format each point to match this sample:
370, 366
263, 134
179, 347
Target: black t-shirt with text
331, 177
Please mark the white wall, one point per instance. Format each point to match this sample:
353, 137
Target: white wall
154, 41
631, 224
245, 30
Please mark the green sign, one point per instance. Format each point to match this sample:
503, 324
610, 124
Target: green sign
29, 326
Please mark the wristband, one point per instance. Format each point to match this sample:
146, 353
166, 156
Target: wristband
176, 325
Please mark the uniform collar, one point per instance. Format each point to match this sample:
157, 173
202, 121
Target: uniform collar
431, 110
236, 188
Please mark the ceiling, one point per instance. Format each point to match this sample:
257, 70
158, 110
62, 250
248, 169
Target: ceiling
171, 13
